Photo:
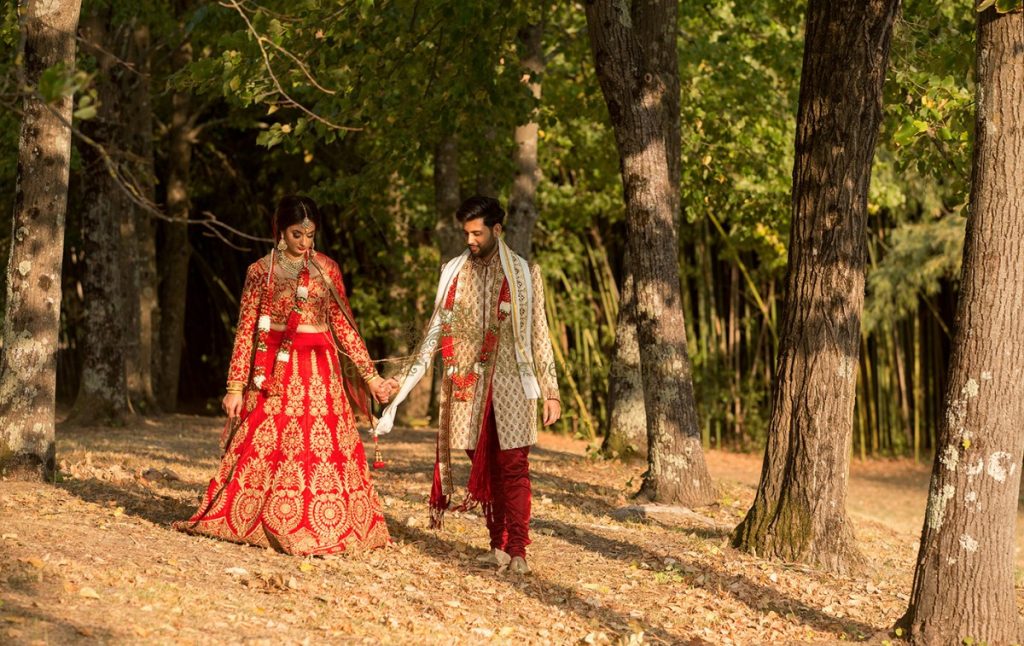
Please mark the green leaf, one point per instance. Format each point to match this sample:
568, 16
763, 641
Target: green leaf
1009, 6
982, 5
53, 82
85, 113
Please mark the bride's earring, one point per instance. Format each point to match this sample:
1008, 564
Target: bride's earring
282, 245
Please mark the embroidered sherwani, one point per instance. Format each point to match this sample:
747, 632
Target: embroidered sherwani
475, 309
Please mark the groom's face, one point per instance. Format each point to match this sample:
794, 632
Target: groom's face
480, 238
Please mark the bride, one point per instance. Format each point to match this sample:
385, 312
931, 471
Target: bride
294, 475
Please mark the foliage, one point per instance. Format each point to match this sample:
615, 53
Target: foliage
347, 101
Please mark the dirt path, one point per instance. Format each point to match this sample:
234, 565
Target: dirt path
93, 559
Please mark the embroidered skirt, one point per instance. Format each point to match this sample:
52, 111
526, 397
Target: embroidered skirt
294, 475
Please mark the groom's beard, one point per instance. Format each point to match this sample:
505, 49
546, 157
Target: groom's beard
484, 252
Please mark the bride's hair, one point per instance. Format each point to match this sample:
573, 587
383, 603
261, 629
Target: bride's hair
291, 210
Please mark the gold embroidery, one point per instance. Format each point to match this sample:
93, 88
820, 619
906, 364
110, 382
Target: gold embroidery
272, 406
337, 394
265, 437
284, 511
255, 475
325, 478
347, 438
362, 515
317, 389
291, 438
353, 476
245, 510
296, 393
328, 516
320, 439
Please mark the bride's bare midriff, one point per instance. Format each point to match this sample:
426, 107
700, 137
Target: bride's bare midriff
279, 327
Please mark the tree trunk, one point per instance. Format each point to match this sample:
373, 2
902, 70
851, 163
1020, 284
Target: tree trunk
522, 207
637, 66
449, 236
103, 390
627, 425
446, 196
32, 318
142, 297
176, 249
799, 512
964, 582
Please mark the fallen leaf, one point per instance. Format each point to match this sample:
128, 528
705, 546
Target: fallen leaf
88, 593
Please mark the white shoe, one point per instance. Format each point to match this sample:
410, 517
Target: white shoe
495, 556
519, 566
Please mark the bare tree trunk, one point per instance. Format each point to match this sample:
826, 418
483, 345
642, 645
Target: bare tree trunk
799, 512
32, 318
637, 65
449, 237
446, 196
522, 207
103, 389
138, 121
627, 426
964, 582
176, 249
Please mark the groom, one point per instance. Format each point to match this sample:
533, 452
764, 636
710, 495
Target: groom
490, 322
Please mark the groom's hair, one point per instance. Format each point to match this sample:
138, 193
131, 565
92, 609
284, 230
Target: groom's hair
481, 206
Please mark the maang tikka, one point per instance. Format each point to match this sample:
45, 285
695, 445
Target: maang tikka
307, 224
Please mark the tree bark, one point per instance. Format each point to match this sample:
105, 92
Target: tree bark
964, 581
103, 389
627, 425
32, 318
636, 59
176, 249
446, 196
522, 207
799, 512
141, 236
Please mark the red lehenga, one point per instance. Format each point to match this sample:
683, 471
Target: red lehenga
294, 475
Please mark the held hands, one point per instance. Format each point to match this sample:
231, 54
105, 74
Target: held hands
552, 411
382, 389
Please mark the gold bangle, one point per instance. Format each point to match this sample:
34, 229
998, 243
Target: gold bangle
235, 389
372, 379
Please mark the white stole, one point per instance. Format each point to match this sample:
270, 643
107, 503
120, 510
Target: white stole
517, 271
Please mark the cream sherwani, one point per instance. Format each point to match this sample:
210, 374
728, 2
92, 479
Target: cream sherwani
475, 308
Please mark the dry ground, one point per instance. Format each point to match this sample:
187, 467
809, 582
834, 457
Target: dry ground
93, 559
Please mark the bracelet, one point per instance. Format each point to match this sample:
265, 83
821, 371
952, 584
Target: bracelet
235, 387
372, 379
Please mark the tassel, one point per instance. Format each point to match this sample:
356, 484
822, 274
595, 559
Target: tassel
378, 458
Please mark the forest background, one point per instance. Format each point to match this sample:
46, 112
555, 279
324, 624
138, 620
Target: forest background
389, 113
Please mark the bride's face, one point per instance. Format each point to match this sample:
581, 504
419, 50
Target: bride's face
298, 239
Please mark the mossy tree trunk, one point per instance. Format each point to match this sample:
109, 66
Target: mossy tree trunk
32, 317
627, 421
799, 511
103, 389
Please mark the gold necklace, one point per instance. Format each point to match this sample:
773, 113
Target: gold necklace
290, 266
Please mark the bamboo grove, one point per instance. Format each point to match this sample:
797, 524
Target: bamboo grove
408, 77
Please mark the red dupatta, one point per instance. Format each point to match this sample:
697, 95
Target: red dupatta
357, 389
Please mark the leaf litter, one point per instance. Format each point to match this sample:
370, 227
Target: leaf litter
93, 558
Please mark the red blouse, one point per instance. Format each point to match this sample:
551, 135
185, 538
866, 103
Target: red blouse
320, 309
